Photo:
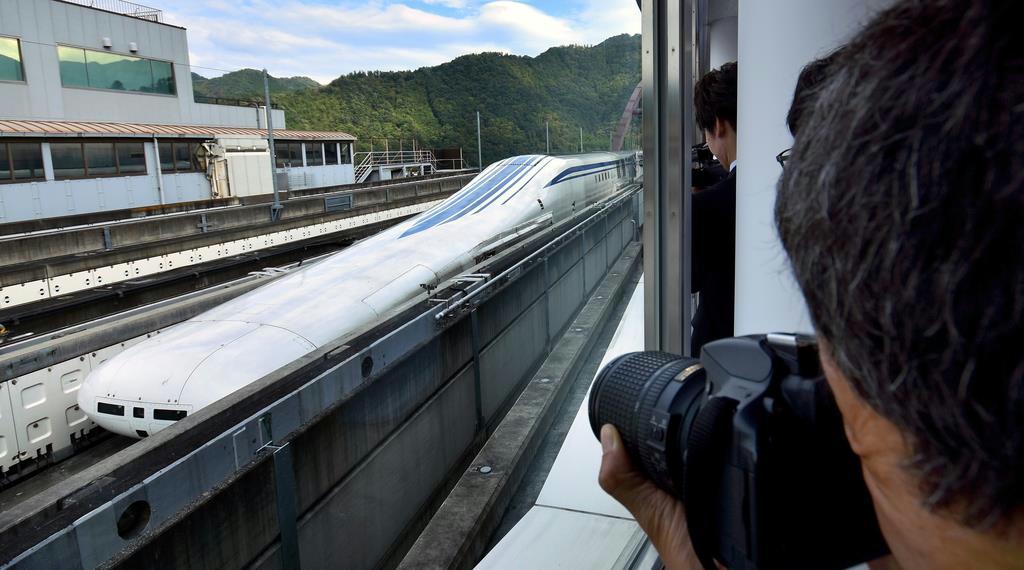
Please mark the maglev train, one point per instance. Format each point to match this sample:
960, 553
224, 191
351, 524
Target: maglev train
194, 363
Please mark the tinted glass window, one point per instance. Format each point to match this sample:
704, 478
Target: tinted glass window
163, 77
10, 60
131, 158
99, 159
120, 72
346, 153
193, 149
72, 67
27, 160
5, 164
104, 70
68, 161
182, 157
331, 153
166, 157
314, 154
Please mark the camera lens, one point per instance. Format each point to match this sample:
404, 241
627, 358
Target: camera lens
651, 398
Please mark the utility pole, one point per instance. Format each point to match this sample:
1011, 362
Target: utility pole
275, 210
581, 140
479, 147
547, 134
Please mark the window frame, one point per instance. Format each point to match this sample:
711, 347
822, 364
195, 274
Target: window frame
85, 158
85, 59
192, 161
10, 162
21, 62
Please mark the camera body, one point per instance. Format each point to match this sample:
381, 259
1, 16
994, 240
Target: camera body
750, 439
706, 171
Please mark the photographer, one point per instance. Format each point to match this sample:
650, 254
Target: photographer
714, 211
902, 211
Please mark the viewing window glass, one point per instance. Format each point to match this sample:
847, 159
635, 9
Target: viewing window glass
68, 160
346, 153
314, 154
178, 157
10, 60
331, 153
97, 159
26, 161
131, 158
5, 164
289, 154
166, 157
100, 159
104, 70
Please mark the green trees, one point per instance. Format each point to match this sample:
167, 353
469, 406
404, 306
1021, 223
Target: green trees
572, 87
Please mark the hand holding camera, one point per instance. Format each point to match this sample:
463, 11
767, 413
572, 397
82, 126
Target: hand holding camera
743, 451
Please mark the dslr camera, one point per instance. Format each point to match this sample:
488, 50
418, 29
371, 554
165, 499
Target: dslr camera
749, 437
706, 170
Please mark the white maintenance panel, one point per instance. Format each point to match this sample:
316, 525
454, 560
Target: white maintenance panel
39, 412
8, 433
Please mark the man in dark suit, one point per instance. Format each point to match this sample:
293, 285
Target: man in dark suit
713, 251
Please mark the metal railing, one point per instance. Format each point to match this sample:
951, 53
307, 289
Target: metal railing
123, 7
231, 102
367, 162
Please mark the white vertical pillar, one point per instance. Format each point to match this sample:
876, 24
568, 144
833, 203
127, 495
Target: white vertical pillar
47, 160
776, 39
724, 41
303, 147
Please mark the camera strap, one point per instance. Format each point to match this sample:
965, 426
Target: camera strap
707, 447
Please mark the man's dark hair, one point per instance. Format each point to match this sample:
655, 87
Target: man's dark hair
714, 97
902, 210
811, 78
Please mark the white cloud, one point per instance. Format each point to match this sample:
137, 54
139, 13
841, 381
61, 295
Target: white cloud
327, 38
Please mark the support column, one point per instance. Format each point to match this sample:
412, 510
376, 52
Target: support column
776, 39
668, 134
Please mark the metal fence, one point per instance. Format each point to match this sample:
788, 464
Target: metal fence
123, 7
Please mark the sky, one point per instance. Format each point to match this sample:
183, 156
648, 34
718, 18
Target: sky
323, 39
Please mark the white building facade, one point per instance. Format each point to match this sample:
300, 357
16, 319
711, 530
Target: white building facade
97, 113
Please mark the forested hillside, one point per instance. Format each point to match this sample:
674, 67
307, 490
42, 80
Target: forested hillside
247, 84
572, 87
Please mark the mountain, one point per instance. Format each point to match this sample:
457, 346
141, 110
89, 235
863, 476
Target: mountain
571, 87
247, 84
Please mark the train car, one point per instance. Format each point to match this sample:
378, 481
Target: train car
194, 363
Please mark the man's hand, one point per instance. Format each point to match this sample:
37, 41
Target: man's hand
660, 515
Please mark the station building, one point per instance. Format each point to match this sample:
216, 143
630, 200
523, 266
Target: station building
98, 113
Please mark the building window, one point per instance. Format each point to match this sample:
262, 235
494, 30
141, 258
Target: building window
10, 60
331, 153
346, 153
104, 70
289, 154
21, 162
314, 154
97, 159
178, 157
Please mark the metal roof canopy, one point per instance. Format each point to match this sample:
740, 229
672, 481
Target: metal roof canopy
33, 128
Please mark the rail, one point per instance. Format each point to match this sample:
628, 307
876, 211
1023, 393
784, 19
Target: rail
123, 7
367, 162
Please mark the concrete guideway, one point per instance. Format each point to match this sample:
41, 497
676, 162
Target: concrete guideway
46, 265
413, 390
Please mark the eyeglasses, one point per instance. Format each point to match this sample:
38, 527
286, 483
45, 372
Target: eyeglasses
783, 157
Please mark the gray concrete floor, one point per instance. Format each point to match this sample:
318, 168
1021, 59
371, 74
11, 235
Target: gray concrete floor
537, 474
